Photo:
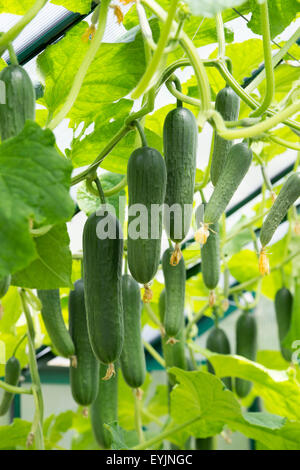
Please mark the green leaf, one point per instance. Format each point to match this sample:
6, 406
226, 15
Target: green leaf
121, 439
281, 14
55, 426
10, 340
209, 8
77, 6
17, 7
243, 266
34, 187
12, 309
53, 266
14, 435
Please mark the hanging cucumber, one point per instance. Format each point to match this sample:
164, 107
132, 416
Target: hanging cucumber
133, 362
288, 194
19, 101
208, 443
84, 378
54, 323
210, 258
102, 268
104, 410
174, 354
12, 376
146, 175
237, 164
246, 346
218, 342
180, 138
228, 105
283, 310
4, 285
175, 278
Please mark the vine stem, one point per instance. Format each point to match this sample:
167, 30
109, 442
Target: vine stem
180, 96
163, 435
158, 54
11, 35
19, 344
39, 404
154, 354
152, 417
138, 417
283, 142
220, 35
15, 390
270, 79
83, 69
12, 55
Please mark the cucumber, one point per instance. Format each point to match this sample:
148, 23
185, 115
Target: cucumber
133, 362
4, 285
180, 138
146, 174
237, 164
19, 101
175, 277
84, 378
208, 443
246, 346
288, 194
174, 354
12, 376
104, 410
54, 322
283, 310
210, 258
102, 268
228, 105
218, 342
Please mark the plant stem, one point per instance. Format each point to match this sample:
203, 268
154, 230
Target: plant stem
19, 344
14, 32
12, 55
270, 79
100, 191
15, 390
146, 30
247, 224
151, 417
158, 54
154, 354
83, 69
181, 97
163, 435
283, 142
220, 35
116, 189
141, 133
138, 418
34, 372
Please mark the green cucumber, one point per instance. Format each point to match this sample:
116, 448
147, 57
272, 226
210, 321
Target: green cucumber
237, 164
102, 268
104, 410
84, 378
207, 443
54, 322
210, 258
133, 362
4, 285
175, 278
283, 310
218, 342
288, 194
12, 376
246, 346
174, 354
146, 174
228, 105
180, 137
19, 101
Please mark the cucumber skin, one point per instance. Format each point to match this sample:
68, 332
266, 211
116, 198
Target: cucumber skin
20, 101
104, 409
146, 174
174, 354
180, 137
288, 194
207, 443
283, 310
246, 346
175, 278
4, 285
237, 164
218, 342
12, 376
210, 258
54, 322
133, 363
228, 105
84, 378
102, 269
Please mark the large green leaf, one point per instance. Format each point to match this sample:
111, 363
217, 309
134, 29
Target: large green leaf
11, 310
53, 266
209, 8
34, 188
78, 6
14, 436
19, 7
